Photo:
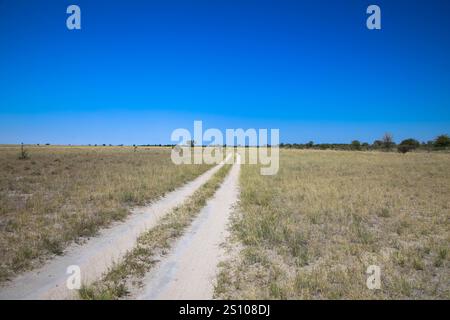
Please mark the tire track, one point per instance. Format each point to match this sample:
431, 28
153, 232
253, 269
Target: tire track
97, 254
189, 271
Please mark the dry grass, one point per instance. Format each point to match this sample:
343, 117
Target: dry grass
128, 273
61, 194
311, 231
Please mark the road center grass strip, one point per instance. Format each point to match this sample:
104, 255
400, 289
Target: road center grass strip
128, 273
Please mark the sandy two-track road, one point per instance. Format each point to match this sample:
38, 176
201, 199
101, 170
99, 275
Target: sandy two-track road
189, 271
96, 255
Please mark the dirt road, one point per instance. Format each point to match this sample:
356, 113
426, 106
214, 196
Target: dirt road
96, 255
189, 271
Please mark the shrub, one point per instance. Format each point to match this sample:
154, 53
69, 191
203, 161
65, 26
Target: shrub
388, 141
408, 145
356, 145
23, 153
377, 144
442, 141
404, 148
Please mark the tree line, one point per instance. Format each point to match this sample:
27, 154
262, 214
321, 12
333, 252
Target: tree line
386, 143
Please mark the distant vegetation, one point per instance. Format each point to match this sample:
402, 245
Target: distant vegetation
386, 143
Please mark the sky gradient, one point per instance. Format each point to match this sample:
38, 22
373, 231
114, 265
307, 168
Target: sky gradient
137, 70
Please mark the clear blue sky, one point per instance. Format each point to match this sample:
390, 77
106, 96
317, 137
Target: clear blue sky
139, 69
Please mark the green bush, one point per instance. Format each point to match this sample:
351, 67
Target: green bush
356, 145
408, 145
442, 141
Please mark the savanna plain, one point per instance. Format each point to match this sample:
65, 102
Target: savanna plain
308, 232
312, 230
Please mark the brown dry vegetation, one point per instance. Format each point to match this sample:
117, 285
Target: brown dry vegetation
61, 194
311, 231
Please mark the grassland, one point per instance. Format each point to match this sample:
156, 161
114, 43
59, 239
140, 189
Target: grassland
127, 274
311, 231
63, 194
